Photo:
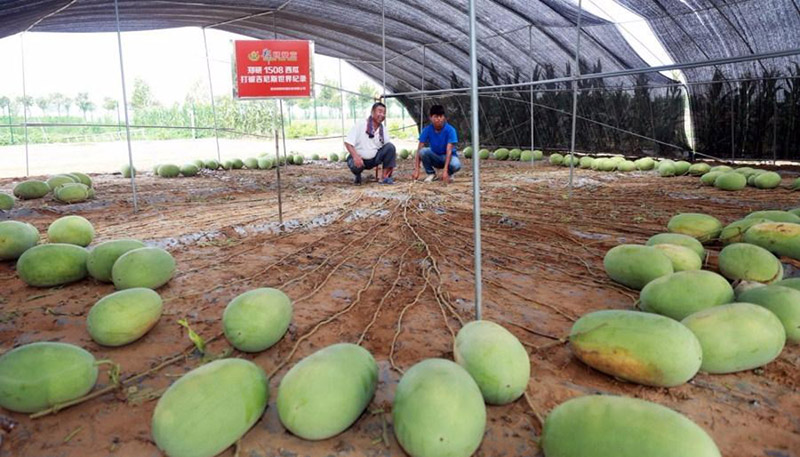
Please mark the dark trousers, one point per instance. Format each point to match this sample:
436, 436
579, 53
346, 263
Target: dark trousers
386, 156
431, 160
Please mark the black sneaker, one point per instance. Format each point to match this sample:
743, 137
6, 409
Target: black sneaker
358, 180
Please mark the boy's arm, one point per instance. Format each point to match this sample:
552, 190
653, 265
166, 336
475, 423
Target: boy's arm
445, 172
451, 140
415, 174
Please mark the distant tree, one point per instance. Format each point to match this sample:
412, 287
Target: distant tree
43, 103
84, 104
57, 100
67, 103
142, 96
290, 103
198, 94
26, 102
305, 103
5, 104
353, 102
109, 104
369, 95
329, 96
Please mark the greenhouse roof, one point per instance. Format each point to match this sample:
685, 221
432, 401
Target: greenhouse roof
352, 30
710, 29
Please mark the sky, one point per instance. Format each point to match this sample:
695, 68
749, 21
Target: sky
70, 63
636, 31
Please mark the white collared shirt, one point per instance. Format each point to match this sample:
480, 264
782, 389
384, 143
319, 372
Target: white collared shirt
365, 146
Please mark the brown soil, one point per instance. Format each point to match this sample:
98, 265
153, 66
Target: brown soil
359, 260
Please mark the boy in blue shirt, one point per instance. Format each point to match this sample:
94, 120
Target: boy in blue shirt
441, 152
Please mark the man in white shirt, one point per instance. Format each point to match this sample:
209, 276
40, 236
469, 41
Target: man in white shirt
369, 146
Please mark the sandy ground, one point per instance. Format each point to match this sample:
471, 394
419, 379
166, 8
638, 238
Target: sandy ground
108, 157
391, 267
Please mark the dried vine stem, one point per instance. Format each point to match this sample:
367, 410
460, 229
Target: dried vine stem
225, 260
435, 265
513, 292
551, 344
257, 274
98, 393
530, 330
426, 273
336, 267
266, 269
442, 300
328, 259
385, 296
335, 315
533, 410
502, 243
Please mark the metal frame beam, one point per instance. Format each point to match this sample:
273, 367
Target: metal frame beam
617, 73
628, 88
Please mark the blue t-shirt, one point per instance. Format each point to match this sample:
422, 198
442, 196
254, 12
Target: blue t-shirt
438, 140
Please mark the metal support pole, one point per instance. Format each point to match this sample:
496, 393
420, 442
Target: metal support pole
125, 108
575, 71
278, 174
530, 56
283, 132
733, 134
775, 128
24, 103
517, 142
277, 148
422, 88
211, 89
341, 108
11, 123
316, 121
476, 179
383, 48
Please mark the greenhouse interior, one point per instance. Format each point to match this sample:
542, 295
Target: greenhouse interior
554, 228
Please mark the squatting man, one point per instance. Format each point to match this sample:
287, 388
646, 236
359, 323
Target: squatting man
369, 145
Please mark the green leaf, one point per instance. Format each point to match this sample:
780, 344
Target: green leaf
198, 340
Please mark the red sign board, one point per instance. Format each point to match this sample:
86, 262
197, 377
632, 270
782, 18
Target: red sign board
273, 68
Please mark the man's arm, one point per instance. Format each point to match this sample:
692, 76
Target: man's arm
349, 144
357, 160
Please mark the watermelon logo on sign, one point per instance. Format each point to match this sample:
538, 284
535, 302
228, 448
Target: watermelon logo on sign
253, 56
